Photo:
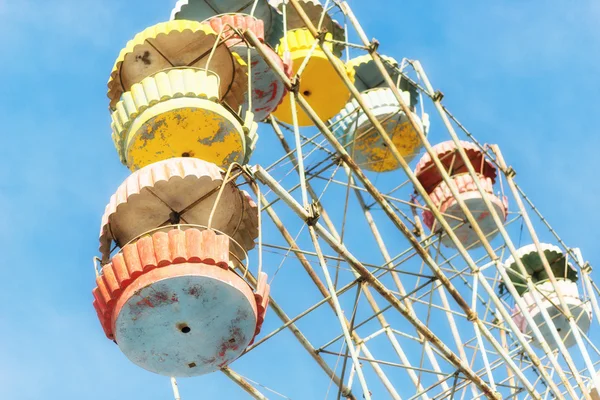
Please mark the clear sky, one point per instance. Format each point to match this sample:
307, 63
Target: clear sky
523, 74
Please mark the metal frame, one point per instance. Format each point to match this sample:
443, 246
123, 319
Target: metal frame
447, 332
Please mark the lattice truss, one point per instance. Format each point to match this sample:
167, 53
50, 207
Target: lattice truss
417, 271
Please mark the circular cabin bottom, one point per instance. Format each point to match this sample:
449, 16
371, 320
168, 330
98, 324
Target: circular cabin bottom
363, 141
185, 127
268, 90
373, 154
465, 233
320, 85
549, 300
185, 320
534, 266
467, 191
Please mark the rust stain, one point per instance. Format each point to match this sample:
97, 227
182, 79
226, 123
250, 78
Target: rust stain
145, 302
483, 215
242, 314
156, 299
145, 58
195, 291
231, 158
233, 343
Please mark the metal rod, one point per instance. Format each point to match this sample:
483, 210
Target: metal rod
304, 341
325, 293
500, 225
368, 295
298, 317
175, 388
244, 384
564, 306
587, 281
377, 196
367, 292
381, 200
266, 179
398, 282
340, 315
451, 185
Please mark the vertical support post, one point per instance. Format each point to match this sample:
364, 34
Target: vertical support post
400, 159
587, 281
511, 378
244, 384
564, 306
325, 293
340, 315
265, 178
486, 362
367, 292
305, 343
400, 225
300, 158
175, 388
454, 192
401, 290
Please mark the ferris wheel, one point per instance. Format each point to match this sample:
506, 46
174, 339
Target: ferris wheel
374, 235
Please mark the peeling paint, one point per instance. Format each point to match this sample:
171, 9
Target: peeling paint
186, 320
167, 130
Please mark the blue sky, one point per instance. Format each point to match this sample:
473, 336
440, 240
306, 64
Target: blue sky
516, 73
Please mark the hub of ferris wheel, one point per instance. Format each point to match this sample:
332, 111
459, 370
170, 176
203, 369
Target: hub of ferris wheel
176, 289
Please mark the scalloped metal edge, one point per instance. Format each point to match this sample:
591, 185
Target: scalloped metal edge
159, 250
375, 98
250, 135
285, 62
273, 30
314, 7
261, 295
163, 171
367, 59
299, 39
464, 183
364, 60
302, 39
155, 89
441, 195
162, 28
245, 22
442, 149
530, 249
239, 21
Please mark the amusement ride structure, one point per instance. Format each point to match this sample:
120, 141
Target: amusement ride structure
408, 261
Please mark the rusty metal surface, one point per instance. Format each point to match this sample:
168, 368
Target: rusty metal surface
147, 198
448, 205
227, 25
319, 83
201, 10
430, 176
162, 249
580, 309
533, 264
267, 89
185, 127
356, 132
176, 44
185, 320
344, 155
174, 307
369, 77
315, 10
